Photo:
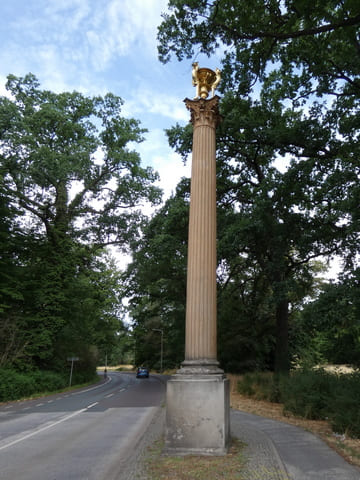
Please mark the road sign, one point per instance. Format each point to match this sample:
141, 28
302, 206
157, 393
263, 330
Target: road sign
72, 360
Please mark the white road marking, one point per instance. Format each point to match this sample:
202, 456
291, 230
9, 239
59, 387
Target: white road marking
39, 405
123, 390
29, 435
93, 388
110, 395
92, 405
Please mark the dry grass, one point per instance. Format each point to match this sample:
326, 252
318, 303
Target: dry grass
228, 467
349, 448
233, 465
113, 368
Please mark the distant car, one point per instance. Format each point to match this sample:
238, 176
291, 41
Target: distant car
142, 372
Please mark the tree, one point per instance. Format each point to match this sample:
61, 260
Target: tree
316, 43
306, 114
328, 328
65, 162
304, 58
156, 282
75, 187
11, 347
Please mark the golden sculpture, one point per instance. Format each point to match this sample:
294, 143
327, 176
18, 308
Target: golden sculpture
205, 80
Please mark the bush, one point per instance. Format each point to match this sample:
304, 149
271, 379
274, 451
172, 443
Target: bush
15, 385
261, 385
345, 411
312, 394
49, 381
308, 393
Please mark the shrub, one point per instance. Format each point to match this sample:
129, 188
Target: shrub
312, 394
245, 386
261, 385
49, 381
15, 385
309, 393
345, 411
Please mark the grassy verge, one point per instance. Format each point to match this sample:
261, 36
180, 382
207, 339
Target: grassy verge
227, 467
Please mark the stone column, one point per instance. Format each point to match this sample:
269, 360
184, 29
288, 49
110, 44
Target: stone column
200, 342
198, 403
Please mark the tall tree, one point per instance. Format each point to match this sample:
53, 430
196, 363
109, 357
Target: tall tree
304, 61
156, 282
76, 187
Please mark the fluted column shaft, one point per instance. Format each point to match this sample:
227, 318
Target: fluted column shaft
200, 343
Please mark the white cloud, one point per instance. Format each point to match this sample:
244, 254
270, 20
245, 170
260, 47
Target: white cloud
166, 162
79, 37
171, 169
145, 100
122, 27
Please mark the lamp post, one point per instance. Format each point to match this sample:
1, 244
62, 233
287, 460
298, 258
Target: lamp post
161, 347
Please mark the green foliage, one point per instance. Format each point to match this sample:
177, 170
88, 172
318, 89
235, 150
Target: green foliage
312, 394
287, 153
15, 385
156, 284
50, 142
260, 385
309, 393
69, 186
345, 414
329, 326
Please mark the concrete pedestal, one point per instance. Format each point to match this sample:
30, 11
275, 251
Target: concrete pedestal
197, 415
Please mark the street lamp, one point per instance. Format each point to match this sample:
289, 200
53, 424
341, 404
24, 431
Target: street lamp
161, 348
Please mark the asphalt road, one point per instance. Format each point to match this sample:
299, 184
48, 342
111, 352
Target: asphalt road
90, 434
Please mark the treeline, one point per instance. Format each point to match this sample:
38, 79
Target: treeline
288, 190
69, 187
288, 197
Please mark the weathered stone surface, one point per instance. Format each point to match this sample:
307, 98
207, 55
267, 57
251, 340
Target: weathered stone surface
197, 416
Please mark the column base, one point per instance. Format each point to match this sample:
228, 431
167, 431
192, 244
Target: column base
197, 414
200, 367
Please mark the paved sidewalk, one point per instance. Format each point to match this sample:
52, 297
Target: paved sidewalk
278, 451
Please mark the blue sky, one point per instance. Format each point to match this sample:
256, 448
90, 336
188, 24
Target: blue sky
99, 46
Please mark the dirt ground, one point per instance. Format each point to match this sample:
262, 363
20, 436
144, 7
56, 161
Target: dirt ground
347, 447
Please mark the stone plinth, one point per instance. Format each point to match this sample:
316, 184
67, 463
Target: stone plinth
197, 415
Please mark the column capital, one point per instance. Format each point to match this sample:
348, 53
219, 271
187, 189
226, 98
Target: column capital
204, 112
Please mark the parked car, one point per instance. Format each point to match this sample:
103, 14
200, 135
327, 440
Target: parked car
142, 372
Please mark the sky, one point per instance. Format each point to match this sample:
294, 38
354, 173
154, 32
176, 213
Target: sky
100, 46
